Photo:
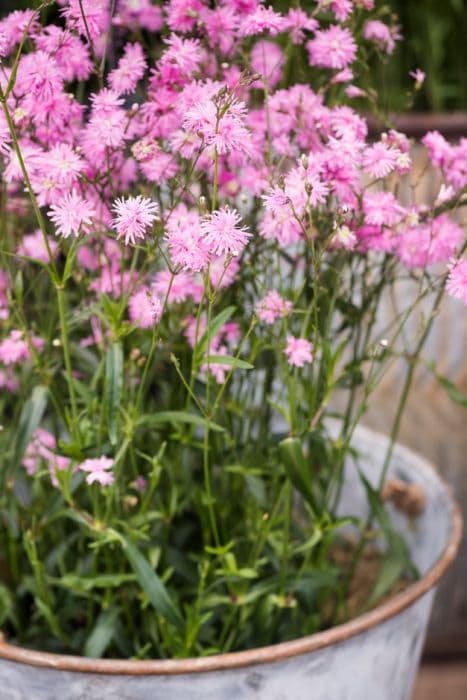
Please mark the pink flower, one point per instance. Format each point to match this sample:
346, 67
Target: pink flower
332, 48
70, 54
98, 470
129, 71
221, 24
33, 246
419, 77
381, 209
298, 351
184, 238
145, 309
140, 14
297, 22
14, 348
227, 133
272, 307
222, 233
429, 243
39, 76
177, 288
385, 37
41, 448
260, 20
183, 14
267, 59
456, 285
439, 149
71, 214
379, 160
134, 216
341, 8
96, 12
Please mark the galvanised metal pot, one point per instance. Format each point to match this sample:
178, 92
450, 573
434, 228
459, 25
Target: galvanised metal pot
373, 657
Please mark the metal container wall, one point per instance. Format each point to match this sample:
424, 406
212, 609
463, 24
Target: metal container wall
374, 657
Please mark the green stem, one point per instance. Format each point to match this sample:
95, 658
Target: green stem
67, 357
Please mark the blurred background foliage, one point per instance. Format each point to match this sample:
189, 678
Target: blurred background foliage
435, 40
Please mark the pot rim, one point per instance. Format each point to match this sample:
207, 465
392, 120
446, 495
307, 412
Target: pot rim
260, 655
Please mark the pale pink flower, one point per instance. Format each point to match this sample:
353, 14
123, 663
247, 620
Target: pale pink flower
145, 309
145, 149
14, 348
134, 215
130, 69
273, 306
429, 243
267, 59
385, 37
183, 14
185, 240
379, 159
381, 209
96, 12
439, 149
456, 285
297, 22
177, 288
136, 14
341, 8
98, 470
221, 24
419, 77
223, 234
344, 237
181, 60
33, 245
39, 76
227, 133
298, 351
223, 271
41, 448
334, 47
70, 54
262, 19
71, 215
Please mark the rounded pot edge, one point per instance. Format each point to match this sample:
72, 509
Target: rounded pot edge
260, 655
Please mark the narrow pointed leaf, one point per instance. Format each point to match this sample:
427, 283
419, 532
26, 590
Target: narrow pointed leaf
229, 361
298, 469
113, 388
178, 418
30, 418
151, 584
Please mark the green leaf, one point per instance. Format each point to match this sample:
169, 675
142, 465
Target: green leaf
151, 584
113, 388
178, 417
29, 420
227, 360
453, 392
70, 259
88, 583
102, 633
298, 469
210, 332
393, 567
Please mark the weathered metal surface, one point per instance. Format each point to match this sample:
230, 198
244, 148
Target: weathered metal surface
373, 657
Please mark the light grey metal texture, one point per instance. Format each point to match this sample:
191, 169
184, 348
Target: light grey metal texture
379, 663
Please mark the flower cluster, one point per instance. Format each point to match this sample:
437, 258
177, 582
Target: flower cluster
194, 250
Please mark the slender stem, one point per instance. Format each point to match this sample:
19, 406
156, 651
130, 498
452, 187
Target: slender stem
67, 357
407, 386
